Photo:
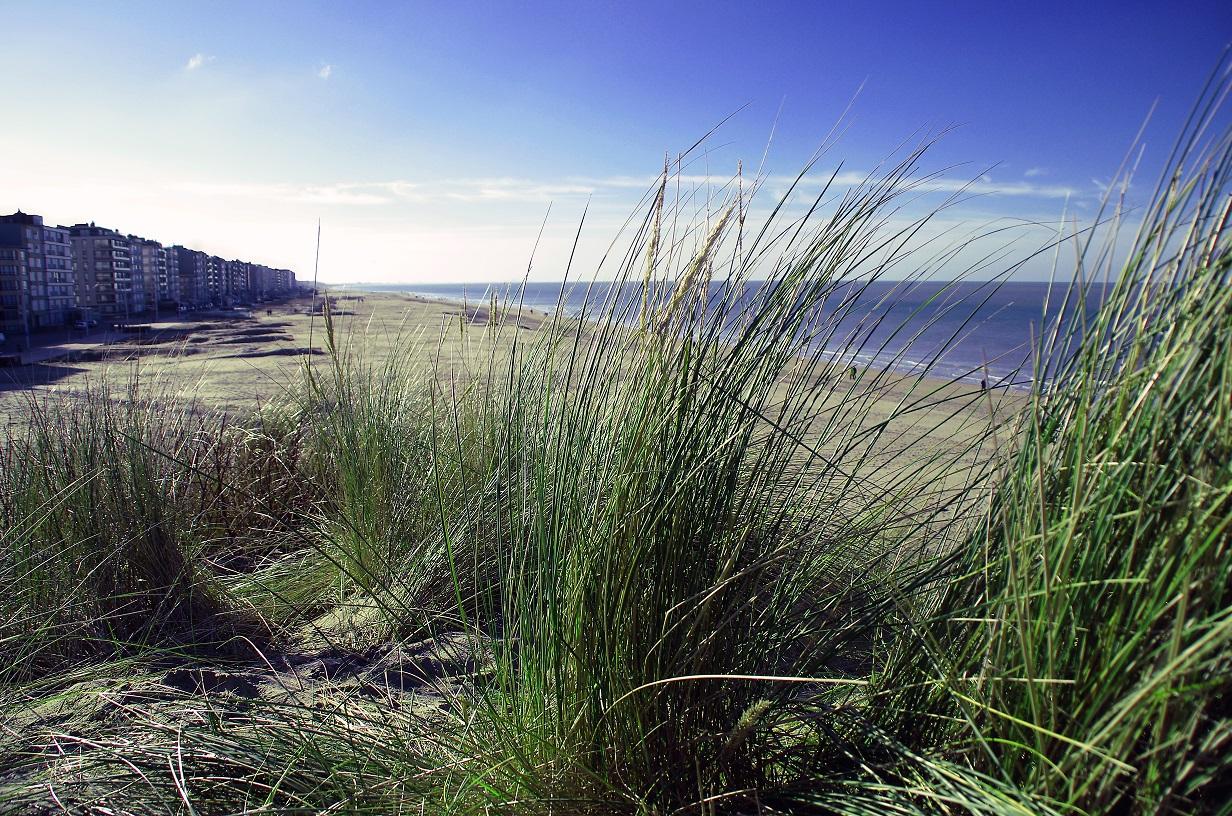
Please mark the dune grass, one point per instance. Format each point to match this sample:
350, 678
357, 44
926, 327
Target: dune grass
1081, 634
666, 557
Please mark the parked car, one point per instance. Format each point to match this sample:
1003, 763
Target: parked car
80, 324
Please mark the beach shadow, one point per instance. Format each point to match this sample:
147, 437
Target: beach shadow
263, 328
282, 352
18, 378
267, 337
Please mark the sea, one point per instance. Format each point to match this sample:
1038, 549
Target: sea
974, 331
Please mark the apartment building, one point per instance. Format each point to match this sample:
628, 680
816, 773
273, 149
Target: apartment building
13, 300
260, 280
108, 286
150, 263
40, 284
239, 280
60, 279
145, 268
265, 281
191, 264
216, 280
173, 275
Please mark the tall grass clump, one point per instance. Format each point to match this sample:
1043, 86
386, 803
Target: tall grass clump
112, 505
1079, 646
694, 533
367, 431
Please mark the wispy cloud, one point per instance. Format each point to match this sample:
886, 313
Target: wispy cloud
1034, 172
342, 194
986, 186
612, 189
982, 185
326, 71
513, 189
396, 191
197, 60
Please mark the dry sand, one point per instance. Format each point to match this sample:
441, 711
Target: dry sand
237, 360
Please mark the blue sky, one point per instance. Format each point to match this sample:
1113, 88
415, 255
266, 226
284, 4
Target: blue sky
431, 138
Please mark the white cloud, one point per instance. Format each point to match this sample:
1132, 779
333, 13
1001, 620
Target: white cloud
1033, 172
981, 185
986, 186
345, 194
197, 60
513, 189
326, 71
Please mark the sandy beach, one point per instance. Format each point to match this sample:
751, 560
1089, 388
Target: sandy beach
235, 361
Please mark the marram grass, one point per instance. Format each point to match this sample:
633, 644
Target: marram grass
668, 558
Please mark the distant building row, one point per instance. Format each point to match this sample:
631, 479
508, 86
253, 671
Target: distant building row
53, 276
